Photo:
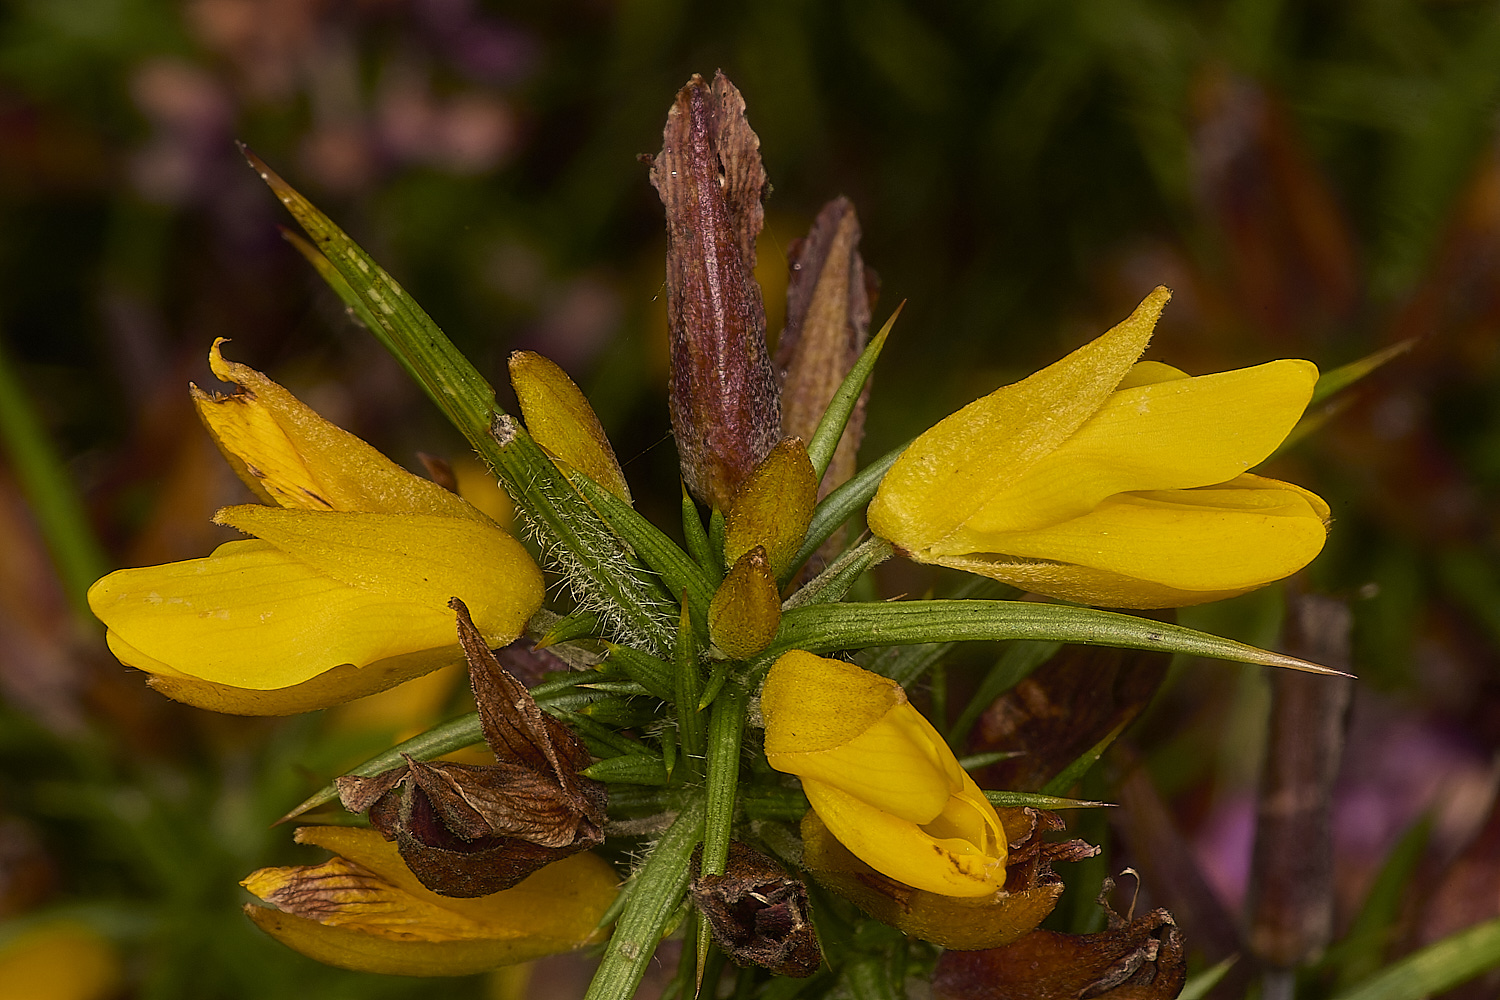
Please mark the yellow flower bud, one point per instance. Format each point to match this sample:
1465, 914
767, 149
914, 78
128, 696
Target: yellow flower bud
343, 593
561, 420
364, 910
880, 777
773, 507
1108, 482
746, 609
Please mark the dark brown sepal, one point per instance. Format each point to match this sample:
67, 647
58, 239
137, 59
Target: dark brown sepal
1139, 960
470, 830
723, 394
758, 913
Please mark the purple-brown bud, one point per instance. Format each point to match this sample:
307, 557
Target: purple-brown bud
828, 296
724, 398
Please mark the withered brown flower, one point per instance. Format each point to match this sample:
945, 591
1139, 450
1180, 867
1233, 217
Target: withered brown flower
1140, 959
470, 830
758, 913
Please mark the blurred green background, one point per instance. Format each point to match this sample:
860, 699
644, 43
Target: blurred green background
1316, 179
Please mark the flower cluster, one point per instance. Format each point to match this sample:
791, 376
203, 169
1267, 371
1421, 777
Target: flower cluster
1101, 480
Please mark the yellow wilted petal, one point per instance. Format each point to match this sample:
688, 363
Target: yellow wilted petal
954, 469
746, 609
1165, 548
290, 456
409, 559
1169, 435
773, 506
561, 420
366, 911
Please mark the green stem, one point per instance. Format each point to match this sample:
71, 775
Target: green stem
50, 492
726, 729
658, 889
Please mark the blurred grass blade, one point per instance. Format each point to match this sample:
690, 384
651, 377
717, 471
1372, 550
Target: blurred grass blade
825, 439
1197, 987
1436, 968
824, 628
49, 490
1014, 665
1069, 776
1346, 375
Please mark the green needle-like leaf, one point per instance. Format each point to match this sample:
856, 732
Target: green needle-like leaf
1035, 800
655, 893
1436, 968
843, 503
825, 439
824, 628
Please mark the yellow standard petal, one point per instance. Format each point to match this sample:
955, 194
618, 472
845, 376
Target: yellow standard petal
561, 420
319, 590
953, 470
880, 777
364, 910
291, 457
1143, 503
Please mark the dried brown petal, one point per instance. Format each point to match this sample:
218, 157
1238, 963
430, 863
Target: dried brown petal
1139, 960
726, 413
471, 830
827, 326
758, 913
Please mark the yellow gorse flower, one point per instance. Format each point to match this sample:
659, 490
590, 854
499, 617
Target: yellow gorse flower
1110, 482
365, 910
344, 589
880, 777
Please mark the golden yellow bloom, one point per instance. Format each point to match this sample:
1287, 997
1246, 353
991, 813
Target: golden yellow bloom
1110, 482
880, 777
365, 910
343, 591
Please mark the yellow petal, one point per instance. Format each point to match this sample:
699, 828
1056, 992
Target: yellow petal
361, 589
290, 456
820, 703
901, 850
960, 922
1165, 435
343, 683
746, 609
773, 506
561, 420
1166, 548
409, 558
366, 911
953, 470
880, 777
